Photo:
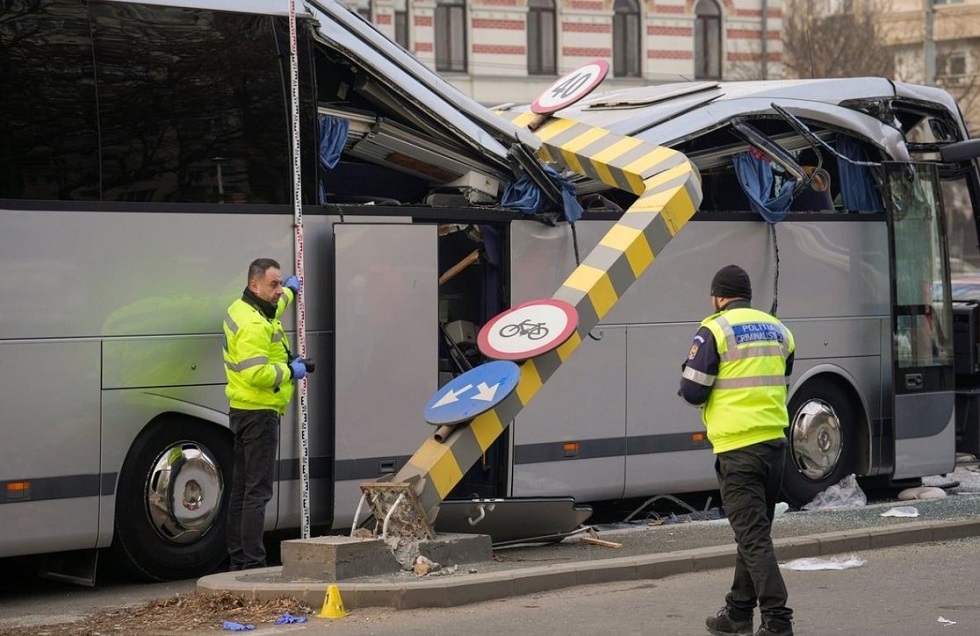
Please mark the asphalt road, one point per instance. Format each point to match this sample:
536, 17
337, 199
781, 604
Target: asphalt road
902, 591
897, 591
26, 600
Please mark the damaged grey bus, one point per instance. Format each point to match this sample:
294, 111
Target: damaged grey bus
147, 160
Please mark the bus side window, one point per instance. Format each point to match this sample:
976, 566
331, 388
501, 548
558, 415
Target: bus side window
49, 146
961, 230
722, 192
818, 195
859, 190
191, 105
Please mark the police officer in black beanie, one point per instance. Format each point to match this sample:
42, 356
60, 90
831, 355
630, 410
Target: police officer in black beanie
732, 282
737, 371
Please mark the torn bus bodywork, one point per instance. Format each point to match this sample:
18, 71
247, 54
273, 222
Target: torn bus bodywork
630, 436
821, 137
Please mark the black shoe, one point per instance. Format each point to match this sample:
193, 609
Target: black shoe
767, 629
253, 565
724, 624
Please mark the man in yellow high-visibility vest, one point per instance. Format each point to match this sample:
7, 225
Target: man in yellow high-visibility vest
261, 372
737, 370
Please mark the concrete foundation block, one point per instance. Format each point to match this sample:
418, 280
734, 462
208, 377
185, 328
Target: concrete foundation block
449, 549
334, 558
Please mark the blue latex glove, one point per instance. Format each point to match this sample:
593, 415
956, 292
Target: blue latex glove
292, 283
287, 618
237, 627
297, 368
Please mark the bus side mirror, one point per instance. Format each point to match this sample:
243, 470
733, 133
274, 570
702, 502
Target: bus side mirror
960, 151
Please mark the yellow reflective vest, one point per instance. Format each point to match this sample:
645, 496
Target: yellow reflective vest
747, 403
257, 357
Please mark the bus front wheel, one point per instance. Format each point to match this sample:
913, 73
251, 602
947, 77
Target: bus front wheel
822, 448
172, 500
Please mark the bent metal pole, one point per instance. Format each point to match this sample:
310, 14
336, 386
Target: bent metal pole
303, 411
668, 189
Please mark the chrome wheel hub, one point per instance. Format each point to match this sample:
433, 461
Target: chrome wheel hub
183, 493
816, 439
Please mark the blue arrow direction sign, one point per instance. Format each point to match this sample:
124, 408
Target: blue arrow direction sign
478, 390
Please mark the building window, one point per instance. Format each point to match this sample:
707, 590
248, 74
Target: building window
956, 64
707, 40
401, 22
363, 8
955, 70
834, 7
541, 46
451, 36
626, 38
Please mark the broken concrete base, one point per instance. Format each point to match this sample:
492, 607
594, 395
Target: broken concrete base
447, 549
334, 558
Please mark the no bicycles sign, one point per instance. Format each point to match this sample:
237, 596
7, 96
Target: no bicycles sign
528, 330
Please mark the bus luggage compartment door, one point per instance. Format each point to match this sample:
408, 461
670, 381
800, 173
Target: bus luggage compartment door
386, 361
571, 439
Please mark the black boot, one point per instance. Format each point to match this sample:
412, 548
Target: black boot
725, 624
769, 629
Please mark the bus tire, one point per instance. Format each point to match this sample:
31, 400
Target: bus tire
822, 449
172, 499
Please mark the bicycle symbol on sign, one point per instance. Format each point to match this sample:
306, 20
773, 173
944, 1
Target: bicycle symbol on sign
533, 330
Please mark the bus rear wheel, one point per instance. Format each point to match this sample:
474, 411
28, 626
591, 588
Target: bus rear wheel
172, 500
821, 435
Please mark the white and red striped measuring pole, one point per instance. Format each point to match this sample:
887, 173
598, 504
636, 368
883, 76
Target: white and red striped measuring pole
303, 415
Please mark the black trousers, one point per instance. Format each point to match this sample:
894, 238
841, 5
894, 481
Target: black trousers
749, 479
256, 440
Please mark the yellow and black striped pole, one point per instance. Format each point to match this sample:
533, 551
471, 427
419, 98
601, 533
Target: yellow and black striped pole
669, 190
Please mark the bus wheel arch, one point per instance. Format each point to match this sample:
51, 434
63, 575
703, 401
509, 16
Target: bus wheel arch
826, 433
172, 498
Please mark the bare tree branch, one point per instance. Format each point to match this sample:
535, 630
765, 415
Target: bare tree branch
835, 39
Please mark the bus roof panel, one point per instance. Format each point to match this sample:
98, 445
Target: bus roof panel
646, 95
932, 94
692, 123
418, 87
713, 102
265, 7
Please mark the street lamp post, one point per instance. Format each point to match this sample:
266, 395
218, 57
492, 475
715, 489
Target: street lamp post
929, 44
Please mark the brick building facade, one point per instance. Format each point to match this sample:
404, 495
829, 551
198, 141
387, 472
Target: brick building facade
510, 50
955, 48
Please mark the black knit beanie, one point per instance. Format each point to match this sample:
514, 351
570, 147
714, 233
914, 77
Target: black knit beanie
731, 281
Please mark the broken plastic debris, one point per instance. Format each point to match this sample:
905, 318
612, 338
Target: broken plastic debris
844, 494
237, 627
901, 511
287, 618
424, 565
833, 563
946, 622
921, 492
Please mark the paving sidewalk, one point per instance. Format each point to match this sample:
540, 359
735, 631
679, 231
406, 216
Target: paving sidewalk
647, 552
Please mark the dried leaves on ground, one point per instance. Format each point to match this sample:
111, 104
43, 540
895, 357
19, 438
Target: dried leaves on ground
179, 613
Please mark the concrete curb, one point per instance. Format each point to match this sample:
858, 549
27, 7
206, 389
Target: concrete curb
450, 591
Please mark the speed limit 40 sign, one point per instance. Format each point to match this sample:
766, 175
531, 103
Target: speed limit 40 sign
571, 87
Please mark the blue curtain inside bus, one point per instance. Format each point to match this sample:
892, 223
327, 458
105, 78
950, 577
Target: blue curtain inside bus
333, 137
525, 196
756, 178
857, 186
